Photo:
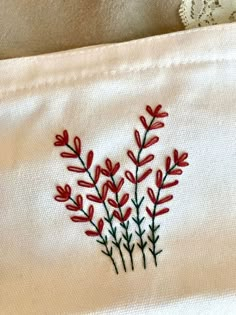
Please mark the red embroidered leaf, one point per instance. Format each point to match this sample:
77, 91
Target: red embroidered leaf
72, 207
180, 160
152, 215
117, 215
130, 177
149, 212
127, 214
61, 190
92, 233
151, 142
108, 165
90, 212
68, 155
176, 156
149, 110
97, 173
143, 121
79, 201
104, 191
138, 138
183, 164
163, 211
110, 171
62, 139
79, 219
183, 157
168, 162
171, 184
94, 198
144, 175
89, 159
157, 125
111, 186
113, 203
120, 184
125, 217
105, 172
165, 199
132, 157
115, 169
176, 172
151, 195
157, 112
157, 109
76, 169
146, 160
159, 178
77, 144
83, 183
100, 225
64, 193
162, 115
124, 200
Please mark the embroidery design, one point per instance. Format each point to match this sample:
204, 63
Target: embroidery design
113, 230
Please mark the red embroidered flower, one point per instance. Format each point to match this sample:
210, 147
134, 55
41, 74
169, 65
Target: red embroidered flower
64, 193
110, 170
156, 112
179, 159
62, 139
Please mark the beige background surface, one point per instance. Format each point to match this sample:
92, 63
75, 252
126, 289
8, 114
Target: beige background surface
30, 27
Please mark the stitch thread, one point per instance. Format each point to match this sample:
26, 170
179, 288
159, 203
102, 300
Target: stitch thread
75, 78
124, 223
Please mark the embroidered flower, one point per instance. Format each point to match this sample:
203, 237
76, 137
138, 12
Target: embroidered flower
62, 139
64, 193
105, 184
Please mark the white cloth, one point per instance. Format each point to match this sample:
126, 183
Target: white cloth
47, 263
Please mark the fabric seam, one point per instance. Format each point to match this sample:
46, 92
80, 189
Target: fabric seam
75, 77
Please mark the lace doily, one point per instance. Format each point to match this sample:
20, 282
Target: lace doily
197, 13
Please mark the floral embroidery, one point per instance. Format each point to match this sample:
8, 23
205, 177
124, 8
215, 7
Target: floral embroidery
120, 207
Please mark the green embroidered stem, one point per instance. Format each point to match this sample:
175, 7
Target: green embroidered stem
153, 227
103, 240
125, 225
108, 217
137, 203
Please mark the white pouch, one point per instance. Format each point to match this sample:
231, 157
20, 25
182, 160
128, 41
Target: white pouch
118, 178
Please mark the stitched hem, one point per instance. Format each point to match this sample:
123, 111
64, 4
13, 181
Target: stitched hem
75, 78
171, 50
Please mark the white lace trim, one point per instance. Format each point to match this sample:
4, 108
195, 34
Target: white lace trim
197, 13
